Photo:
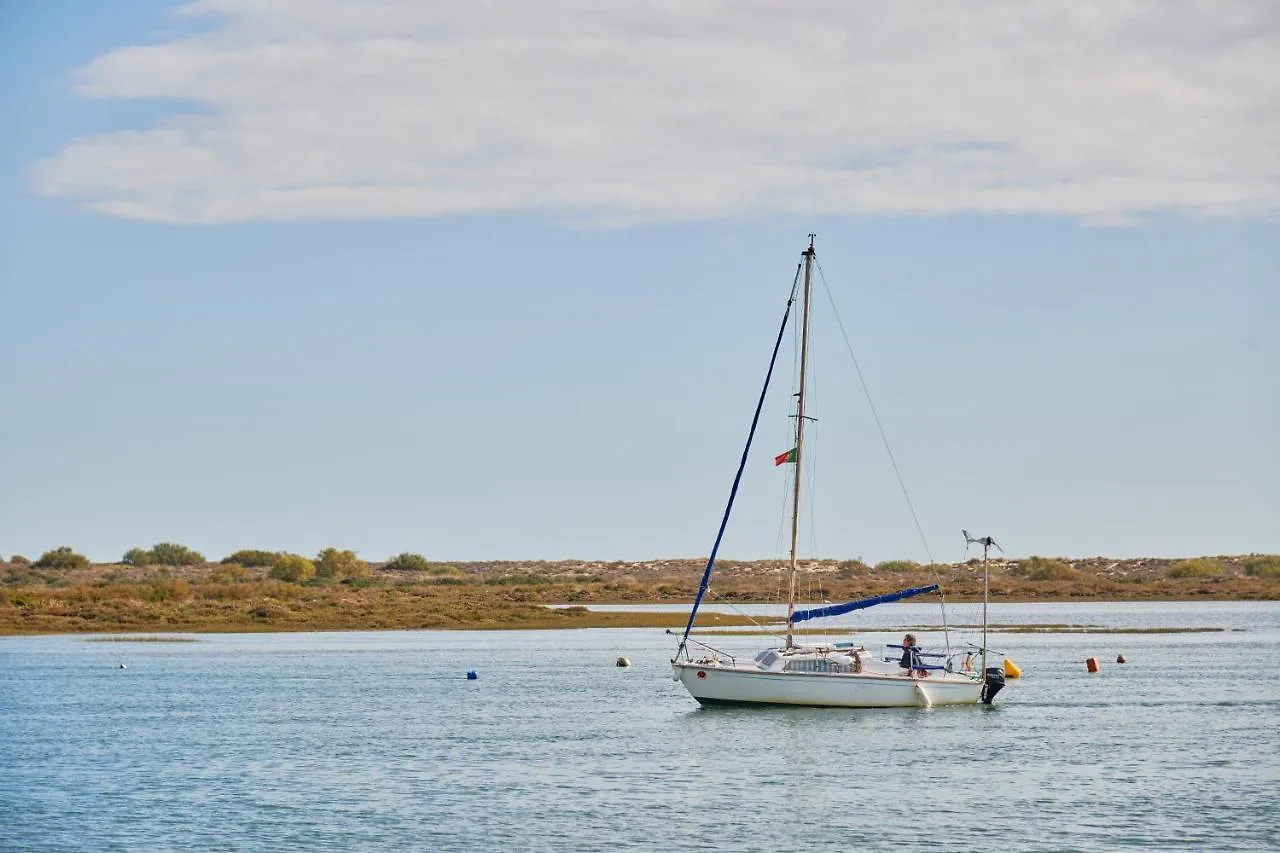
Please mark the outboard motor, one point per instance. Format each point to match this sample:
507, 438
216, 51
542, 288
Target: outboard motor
993, 684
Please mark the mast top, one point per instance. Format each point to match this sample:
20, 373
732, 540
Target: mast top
809, 251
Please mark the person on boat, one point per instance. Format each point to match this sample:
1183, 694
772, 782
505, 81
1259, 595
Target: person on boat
911, 658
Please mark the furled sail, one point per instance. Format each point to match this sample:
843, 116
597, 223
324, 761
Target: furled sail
862, 604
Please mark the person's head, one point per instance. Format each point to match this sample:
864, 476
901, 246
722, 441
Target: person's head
909, 640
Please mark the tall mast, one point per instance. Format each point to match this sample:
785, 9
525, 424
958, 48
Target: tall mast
800, 401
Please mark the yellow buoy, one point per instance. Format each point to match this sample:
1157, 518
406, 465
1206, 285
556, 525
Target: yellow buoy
1011, 669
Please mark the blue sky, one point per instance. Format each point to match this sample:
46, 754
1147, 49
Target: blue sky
244, 305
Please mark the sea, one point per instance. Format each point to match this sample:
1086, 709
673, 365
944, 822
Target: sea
378, 741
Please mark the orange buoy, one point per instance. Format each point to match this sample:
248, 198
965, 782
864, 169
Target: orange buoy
1011, 669
1120, 659
1092, 663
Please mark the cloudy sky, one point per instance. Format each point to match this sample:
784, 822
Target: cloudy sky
304, 109
495, 279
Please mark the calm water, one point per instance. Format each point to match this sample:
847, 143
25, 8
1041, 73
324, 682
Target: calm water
375, 741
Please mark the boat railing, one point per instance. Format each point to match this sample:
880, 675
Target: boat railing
718, 652
918, 658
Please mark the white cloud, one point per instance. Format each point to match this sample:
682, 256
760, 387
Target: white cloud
309, 109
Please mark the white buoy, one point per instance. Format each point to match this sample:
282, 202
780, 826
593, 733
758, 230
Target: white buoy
122, 666
922, 697
623, 662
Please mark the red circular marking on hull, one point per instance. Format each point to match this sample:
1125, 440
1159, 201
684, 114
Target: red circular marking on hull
701, 674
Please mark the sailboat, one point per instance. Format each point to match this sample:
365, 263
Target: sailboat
826, 674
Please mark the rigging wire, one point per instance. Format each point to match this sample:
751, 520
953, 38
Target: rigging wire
812, 474
933, 565
764, 629
787, 436
742, 464
812, 487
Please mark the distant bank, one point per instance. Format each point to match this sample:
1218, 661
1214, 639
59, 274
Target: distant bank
511, 594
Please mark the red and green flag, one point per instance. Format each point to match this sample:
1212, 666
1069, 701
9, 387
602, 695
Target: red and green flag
782, 458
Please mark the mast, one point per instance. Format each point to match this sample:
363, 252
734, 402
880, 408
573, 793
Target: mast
800, 401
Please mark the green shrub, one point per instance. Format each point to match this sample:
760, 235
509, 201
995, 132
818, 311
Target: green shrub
517, 579
19, 560
332, 564
22, 599
171, 589
225, 591
1262, 566
292, 568
138, 557
20, 575
251, 559
61, 558
850, 568
269, 610
232, 573
407, 562
363, 583
172, 554
898, 566
1201, 567
1046, 569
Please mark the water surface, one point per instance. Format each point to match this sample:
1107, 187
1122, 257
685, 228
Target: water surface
375, 741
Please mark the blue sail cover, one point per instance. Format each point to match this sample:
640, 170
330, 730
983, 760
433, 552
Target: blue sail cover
849, 607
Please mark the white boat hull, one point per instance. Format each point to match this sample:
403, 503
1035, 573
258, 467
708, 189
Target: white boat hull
739, 685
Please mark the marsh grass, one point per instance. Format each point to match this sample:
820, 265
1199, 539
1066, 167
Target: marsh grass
173, 605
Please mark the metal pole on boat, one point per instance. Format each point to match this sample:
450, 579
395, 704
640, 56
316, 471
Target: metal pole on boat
800, 401
986, 542
986, 546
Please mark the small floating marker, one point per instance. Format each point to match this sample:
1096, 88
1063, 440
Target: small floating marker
471, 675
922, 698
623, 662
1011, 669
1092, 663
1120, 659
122, 666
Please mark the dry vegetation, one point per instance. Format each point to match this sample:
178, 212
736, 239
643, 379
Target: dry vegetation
412, 594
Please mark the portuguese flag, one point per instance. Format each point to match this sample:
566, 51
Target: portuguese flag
781, 458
